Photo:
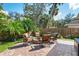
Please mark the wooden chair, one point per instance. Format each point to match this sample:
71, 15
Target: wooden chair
54, 36
39, 40
46, 39
26, 38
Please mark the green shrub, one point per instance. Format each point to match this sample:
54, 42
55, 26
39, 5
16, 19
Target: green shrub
29, 25
73, 36
10, 28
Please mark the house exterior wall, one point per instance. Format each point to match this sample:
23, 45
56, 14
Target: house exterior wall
73, 26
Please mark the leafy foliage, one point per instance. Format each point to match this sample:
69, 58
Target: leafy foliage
33, 11
53, 12
16, 26
1, 8
10, 28
29, 25
43, 20
62, 22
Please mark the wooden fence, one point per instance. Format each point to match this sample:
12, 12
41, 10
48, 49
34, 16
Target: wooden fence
63, 31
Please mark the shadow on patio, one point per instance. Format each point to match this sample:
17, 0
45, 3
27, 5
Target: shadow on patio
37, 47
62, 49
18, 46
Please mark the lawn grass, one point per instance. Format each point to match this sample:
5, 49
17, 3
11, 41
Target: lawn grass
5, 45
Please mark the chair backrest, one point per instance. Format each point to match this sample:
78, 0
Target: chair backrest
37, 34
25, 36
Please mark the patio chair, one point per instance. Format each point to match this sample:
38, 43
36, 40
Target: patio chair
30, 40
54, 36
25, 38
46, 39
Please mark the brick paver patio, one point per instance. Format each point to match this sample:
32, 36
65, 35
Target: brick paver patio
62, 48
21, 50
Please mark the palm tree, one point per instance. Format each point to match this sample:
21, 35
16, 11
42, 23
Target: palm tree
15, 27
53, 12
54, 9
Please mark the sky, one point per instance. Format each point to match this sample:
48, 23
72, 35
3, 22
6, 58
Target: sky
13, 7
63, 9
67, 8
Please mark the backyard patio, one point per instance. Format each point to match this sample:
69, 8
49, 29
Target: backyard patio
37, 32
60, 48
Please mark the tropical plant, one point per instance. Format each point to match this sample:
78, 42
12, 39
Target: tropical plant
9, 27
3, 24
15, 27
29, 25
54, 9
53, 12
